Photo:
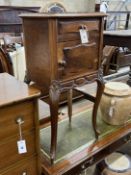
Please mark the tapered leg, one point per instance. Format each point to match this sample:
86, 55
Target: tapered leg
26, 78
99, 168
100, 89
54, 94
129, 80
69, 96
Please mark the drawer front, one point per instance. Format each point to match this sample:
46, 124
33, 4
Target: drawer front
75, 26
9, 150
69, 30
29, 167
10, 114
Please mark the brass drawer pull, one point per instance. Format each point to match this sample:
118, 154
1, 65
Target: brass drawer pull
89, 162
83, 167
127, 139
62, 63
82, 26
19, 120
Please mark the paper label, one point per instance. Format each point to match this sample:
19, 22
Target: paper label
21, 146
111, 111
83, 36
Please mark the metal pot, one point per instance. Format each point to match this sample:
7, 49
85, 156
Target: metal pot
117, 164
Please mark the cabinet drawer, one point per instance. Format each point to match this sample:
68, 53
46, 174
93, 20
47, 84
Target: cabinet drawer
69, 31
9, 150
74, 26
26, 168
9, 115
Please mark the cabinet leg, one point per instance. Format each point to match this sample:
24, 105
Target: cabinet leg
99, 168
26, 78
70, 104
54, 94
129, 80
100, 89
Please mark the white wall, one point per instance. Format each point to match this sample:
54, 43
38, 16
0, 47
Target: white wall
119, 5
116, 5
21, 2
70, 5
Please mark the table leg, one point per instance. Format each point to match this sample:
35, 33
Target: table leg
54, 94
129, 80
100, 89
70, 104
99, 168
27, 80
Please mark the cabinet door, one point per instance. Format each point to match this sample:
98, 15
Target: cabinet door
80, 60
74, 57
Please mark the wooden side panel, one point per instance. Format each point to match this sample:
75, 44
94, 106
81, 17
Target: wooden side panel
37, 50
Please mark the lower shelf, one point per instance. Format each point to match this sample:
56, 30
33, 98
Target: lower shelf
74, 137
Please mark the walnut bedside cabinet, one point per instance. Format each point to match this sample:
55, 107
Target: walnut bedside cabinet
56, 57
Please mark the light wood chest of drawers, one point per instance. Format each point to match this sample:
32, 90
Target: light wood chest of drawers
18, 101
